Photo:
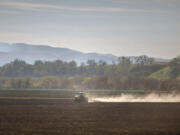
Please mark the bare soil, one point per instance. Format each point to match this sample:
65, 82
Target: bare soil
64, 117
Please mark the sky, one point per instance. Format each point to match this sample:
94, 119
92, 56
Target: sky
119, 27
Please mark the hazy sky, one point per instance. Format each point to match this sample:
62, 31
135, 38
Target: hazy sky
120, 27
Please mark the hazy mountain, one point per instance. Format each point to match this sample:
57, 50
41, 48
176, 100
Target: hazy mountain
30, 53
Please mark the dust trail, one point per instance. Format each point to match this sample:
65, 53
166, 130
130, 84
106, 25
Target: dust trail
153, 97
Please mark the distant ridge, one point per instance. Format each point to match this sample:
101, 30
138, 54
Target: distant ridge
31, 53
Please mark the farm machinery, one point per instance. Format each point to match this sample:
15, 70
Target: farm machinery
80, 97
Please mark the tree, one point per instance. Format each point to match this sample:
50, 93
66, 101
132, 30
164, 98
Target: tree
91, 63
175, 67
124, 64
124, 61
49, 82
102, 63
17, 68
175, 61
143, 59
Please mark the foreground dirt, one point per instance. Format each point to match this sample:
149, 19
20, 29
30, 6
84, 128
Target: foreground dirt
54, 113
63, 117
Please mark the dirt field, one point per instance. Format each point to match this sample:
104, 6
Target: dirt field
48, 116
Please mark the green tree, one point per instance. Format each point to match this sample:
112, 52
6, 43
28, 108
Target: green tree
124, 64
175, 67
143, 59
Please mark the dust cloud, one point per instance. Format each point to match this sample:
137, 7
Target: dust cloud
153, 97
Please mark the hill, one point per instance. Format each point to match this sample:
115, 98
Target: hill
161, 74
31, 53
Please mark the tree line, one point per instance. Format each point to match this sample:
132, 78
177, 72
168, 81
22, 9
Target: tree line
125, 75
95, 82
125, 67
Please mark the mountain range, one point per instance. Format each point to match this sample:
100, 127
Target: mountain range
31, 53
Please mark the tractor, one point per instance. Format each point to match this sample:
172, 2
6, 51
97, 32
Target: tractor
80, 97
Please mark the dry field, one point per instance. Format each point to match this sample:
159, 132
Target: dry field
51, 115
